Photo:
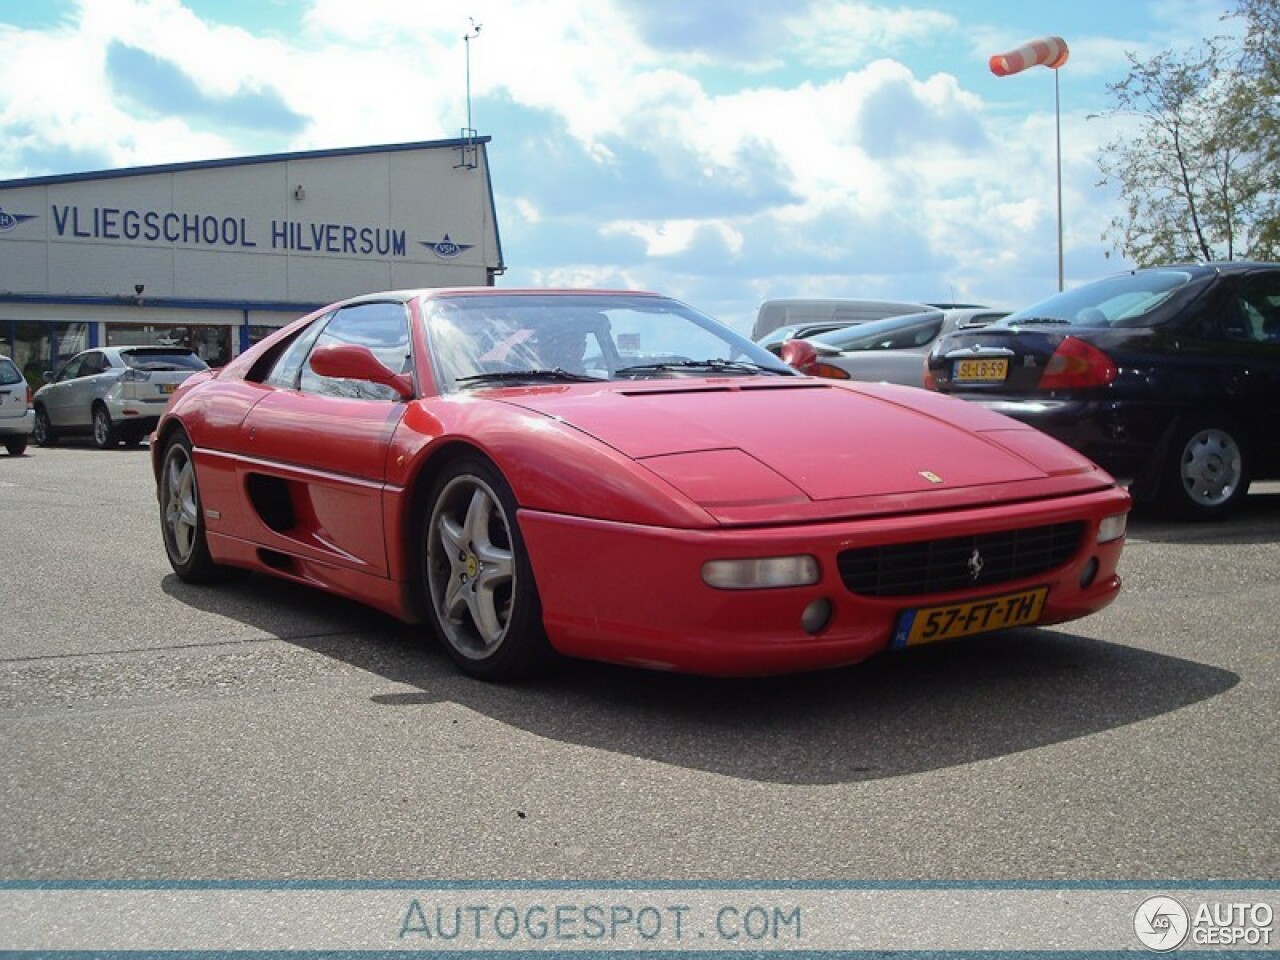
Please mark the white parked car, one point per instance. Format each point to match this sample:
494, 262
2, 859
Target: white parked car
892, 350
16, 418
841, 313
115, 393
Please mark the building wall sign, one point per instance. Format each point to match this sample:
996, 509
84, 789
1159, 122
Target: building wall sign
196, 229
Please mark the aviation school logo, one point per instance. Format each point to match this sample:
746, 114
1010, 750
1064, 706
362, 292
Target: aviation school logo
10, 220
446, 249
1161, 924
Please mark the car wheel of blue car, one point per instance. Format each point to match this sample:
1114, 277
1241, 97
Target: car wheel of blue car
479, 582
1207, 471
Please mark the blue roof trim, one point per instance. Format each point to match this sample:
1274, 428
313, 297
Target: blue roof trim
172, 303
456, 143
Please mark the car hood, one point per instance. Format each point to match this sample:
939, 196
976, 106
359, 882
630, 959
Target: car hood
757, 448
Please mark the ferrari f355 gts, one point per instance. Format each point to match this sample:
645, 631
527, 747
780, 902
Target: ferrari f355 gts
616, 476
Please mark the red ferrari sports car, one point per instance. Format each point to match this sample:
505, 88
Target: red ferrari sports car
613, 475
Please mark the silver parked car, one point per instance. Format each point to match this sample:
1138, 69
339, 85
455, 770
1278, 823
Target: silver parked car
892, 350
115, 393
16, 417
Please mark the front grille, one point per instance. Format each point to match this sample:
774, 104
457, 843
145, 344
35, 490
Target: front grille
936, 566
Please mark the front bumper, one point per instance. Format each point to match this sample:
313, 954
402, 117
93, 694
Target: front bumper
634, 594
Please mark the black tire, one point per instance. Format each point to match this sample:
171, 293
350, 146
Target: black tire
44, 435
1206, 470
16, 446
105, 433
477, 582
182, 517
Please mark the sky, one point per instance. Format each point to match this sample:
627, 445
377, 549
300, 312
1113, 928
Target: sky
721, 151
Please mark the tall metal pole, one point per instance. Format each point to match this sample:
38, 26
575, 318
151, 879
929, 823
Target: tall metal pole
467, 38
1057, 118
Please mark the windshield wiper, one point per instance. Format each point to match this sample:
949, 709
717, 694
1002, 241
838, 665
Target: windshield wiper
556, 375
718, 366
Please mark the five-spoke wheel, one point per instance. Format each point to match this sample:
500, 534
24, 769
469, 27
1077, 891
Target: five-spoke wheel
43, 434
104, 431
479, 581
180, 516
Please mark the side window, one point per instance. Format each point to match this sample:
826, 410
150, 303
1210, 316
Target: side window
72, 369
383, 328
94, 363
1259, 299
287, 368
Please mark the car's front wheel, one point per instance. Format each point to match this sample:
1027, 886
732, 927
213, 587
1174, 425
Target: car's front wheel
1207, 469
105, 434
182, 518
478, 579
43, 432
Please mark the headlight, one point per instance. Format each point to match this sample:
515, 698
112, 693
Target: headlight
1113, 527
760, 573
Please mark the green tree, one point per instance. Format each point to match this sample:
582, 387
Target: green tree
1258, 111
1198, 171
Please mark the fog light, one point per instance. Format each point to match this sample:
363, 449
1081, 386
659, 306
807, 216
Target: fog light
760, 573
1089, 573
816, 616
1113, 527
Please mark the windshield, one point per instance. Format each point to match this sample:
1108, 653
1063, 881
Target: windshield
501, 339
1127, 300
893, 333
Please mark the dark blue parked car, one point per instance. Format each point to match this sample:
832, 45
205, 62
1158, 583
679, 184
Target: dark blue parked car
1167, 377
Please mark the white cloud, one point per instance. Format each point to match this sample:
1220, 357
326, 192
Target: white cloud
824, 155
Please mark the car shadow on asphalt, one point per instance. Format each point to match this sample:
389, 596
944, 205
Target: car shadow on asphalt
1256, 520
897, 714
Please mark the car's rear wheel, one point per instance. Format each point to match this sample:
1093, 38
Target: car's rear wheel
43, 433
1207, 469
182, 518
479, 582
104, 431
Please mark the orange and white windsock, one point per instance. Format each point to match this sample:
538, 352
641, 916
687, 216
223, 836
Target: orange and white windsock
1048, 52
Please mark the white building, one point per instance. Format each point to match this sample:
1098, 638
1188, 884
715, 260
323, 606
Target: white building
215, 254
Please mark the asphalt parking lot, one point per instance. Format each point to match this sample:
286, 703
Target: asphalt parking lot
156, 730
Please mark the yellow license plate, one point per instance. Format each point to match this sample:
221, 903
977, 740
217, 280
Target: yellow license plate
168, 387
929, 624
991, 370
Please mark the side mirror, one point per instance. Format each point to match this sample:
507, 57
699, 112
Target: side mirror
348, 361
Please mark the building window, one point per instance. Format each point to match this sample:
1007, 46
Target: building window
40, 347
